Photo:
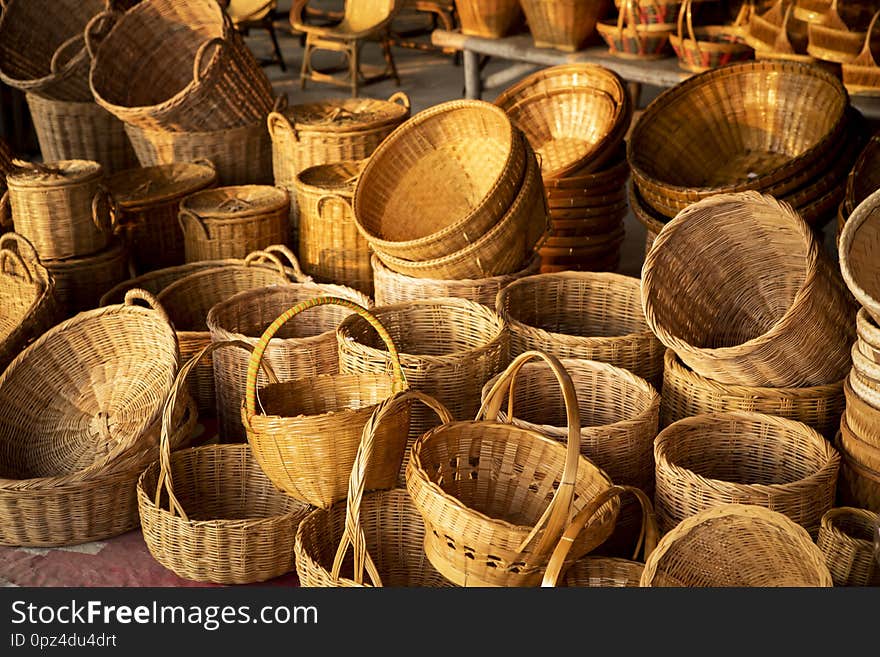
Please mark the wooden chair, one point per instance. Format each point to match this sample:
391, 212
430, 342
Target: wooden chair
363, 20
256, 14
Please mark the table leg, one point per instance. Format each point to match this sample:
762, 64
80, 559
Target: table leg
473, 86
635, 92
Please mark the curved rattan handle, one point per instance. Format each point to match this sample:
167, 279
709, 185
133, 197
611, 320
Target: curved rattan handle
108, 225
20, 269
648, 536
319, 206
354, 535
190, 221
255, 257
866, 49
97, 30
24, 252
217, 44
165, 479
5, 211
274, 327
62, 54
137, 294
278, 122
401, 99
556, 514
283, 252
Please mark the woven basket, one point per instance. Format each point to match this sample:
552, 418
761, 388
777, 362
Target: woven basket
832, 40
686, 394
737, 545
61, 208
859, 484
210, 514
857, 243
846, 538
441, 181
306, 433
775, 314
81, 282
582, 315
383, 528
494, 19
630, 38
496, 498
177, 65
27, 297
147, 201
562, 24
861, 75
648, 217
330, 246
303, 349
80, 131
708, 46
748, 458
865, 175
862, 417
857, 448
231, 222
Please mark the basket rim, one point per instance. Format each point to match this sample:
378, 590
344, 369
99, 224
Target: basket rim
113, 251
276, 199
860, 215
199, 176
828, 524
344, 189
397, 113
531, 266
89, 172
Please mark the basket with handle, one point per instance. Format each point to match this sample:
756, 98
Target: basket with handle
858, 239
27, 296
209, 513
383, 529
629, 39
302, 349
832, 39
811, 11
493, 19
562, 24
846, 538
861, 75
80, 282
737, 545
707, 46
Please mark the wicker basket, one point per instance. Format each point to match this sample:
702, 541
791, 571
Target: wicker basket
775, 314
307, 432
846, 538
861, 75
330, 246
496, 498
80, 131
858, 240
27, 297
231, 222
862, 417
494, 19
562, 24
147, 201
832, 40
383, 528
629, 38
858, 449
649, 218
859, 484
737, 545
210, 514
748, 458
708, 46
81, 282
303, 349
597, 316
865, 175
173, 65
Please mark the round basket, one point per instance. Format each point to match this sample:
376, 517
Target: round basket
748, 458
686, 394
707, 46
562, 24
597, 316
859, 238
628, 37
209, 513
859, 484
492, 19
846, 538
737, 545
857, 448
301, 349
862, 417
81, 282
496, 498
773, 313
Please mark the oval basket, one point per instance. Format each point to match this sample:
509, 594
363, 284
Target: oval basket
846, 538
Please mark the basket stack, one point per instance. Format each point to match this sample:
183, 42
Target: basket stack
575, 117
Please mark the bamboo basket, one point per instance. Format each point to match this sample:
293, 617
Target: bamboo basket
686, 394
330, 246
861, 75
859, 484
307, 431
496, 498
494, 19
857, 243
811, 11
61, 208
778, 33
857, 448
748, 458
383, 528
231, 222
562, 24
81, 282
303, 349
178, 66
210, 514
147, 201
708, 46
846, 538
80, 131
864, 177
597, 316
737, 545
862, 417
27, 297
629, 39
775, 316
832, 40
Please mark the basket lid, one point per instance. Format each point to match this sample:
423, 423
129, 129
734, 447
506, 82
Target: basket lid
59, 173
345, 114
158, 184
337, 177
236, 201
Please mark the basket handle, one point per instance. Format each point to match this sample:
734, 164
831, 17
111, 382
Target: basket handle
137, 294
62, 51
687, 8
97, 30
5, 211
217, 44
648, 536
189, 220
269, 333
278, 121
330, 197
110, 225
258, 256
283, 252
401, 99
354, 534
556, 514
16, 255
866, 49
165, 480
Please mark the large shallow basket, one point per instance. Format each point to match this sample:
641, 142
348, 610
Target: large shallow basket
562, 24
858, 241
846, 538
80, 282
770, 312
737, 545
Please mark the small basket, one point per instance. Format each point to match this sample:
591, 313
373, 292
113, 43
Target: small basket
597, 316
81, 282
209, 514
737, 545
231, 222
846, 538
562, 24
629, 39
492, 19
749, 458
708, 46
858, 242
861, 75
859, 484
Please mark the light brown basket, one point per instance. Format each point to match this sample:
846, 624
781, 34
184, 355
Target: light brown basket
231, 222
858, 242
737, 545
741, 457
771, 314
492, 19
707, 46
496, 498
209, 513
562, 24
597, 316
630, 38
302, 349
862, 417
846, 538
27, 296
832, 40
81, 282
177, 66
861, 74
305, 433
686, 394
858, 449
859, 484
